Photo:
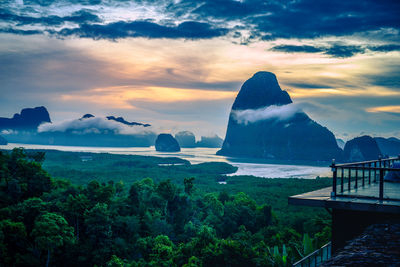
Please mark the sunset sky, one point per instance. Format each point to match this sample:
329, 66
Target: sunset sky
178, 65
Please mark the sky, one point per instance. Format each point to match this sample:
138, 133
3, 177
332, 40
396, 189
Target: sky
178, 64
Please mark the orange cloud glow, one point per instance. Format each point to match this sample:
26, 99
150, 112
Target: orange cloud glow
123, 97
391, 109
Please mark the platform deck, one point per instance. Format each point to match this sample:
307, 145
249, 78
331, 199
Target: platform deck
363, 198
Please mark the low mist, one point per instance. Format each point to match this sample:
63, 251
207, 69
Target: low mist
282, 113
93, 125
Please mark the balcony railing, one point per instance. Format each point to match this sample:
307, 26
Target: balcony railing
315, 258
365, 179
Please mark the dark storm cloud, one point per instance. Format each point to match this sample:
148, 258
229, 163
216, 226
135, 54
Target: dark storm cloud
312, 18
309, 85
82, 16
297, 19
297, 49
222, 9
20, 32
147, 29
343, 51
336, 50
385, 48
388, 78
50, 2
262, 19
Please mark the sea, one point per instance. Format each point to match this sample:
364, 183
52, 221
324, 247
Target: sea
254, 167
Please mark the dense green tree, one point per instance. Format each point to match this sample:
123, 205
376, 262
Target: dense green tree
167, 190
13, 240
29, 210
162, 251
50, 232
115, 262
75, 207
99, 232
189, 186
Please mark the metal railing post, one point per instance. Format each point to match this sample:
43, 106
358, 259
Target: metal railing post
349, 181
341, 181
363, 175
356, 181
380, 179
380, 184
369, 173
334, 170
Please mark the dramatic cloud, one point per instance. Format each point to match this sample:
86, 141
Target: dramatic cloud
122, 29
310, 85
339, 51
388, 109
79, 17
282, 113
222, 9
313, 18
51, 2
297, 49
250, 20
385, 48
95, 125
20, 32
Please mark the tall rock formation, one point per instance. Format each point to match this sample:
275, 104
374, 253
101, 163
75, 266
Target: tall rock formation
186, 139
210, 141
340, 143
264, 123
167, 143
361, 149
28, 119
388, 146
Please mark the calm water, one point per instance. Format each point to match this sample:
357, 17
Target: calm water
199, 155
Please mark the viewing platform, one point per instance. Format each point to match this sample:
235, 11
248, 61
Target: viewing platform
357, 186
362, 199
362, 194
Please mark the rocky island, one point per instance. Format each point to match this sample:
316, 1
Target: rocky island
361, 148
166, 143
28, 119
264, 123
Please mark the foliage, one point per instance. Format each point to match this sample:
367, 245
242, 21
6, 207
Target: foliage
183, 217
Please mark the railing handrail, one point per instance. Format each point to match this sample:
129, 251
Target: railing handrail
368, 168
363, 165
366, 162
312, 254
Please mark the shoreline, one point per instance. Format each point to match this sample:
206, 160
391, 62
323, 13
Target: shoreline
252, 167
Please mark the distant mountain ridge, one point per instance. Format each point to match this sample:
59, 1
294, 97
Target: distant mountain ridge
166, 143
340, 142
85, 131
117, 119
264, 123
388, 146
186, 139
361, 149
28, 119
122, 120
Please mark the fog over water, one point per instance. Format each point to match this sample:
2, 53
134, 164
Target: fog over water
200, 155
